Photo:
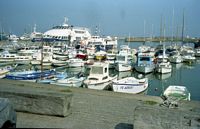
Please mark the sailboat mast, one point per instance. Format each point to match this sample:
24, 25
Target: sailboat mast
161, 27
173, 25
183, 26
164, 41
144, 31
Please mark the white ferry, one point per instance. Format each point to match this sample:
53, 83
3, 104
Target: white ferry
65, 32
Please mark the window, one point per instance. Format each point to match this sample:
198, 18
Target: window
97, 70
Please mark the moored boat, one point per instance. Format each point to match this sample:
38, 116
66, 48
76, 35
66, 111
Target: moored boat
179, 92
99, 77
130, 85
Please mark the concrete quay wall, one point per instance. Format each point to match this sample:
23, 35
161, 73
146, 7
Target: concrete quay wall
93, 109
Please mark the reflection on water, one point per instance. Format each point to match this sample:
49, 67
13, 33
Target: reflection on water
163, 76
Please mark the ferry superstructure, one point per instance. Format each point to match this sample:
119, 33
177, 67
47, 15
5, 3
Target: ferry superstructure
65, 32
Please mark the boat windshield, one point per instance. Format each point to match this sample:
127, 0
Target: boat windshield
145, 59
121, 58
96, 70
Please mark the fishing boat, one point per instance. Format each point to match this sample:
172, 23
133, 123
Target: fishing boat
70, 82
76, 81
31, 75
179, 92
99, 77
51, 79
130, 85
123, 61
144, 63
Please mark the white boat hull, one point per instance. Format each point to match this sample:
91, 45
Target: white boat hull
130, 85
100, 85
189, 59
129, 88
144, 69
164, 70
76, 64
36, 62
123, 67
70, 82
175, 59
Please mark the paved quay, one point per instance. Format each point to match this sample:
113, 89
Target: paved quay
92, 109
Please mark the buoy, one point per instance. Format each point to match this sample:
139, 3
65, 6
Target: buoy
140, 76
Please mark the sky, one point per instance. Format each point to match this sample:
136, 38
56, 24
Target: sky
113, 17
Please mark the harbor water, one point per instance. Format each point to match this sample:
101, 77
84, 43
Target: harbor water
182, 74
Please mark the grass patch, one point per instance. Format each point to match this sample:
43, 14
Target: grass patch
150, 102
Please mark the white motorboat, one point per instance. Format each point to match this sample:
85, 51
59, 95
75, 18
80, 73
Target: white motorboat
179, 92
130, 85
58, 62
73, 63
100, 55
36, 36
188, 54
23, 59
4, 70
123, 62
144, 63
164, 67
28, 51
99, 77
175, 57
7, 57
125, 74
189, 58
70, 82
197, 51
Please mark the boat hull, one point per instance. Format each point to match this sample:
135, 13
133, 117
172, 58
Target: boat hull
100, 85
129, 88
123, 67
144, 69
